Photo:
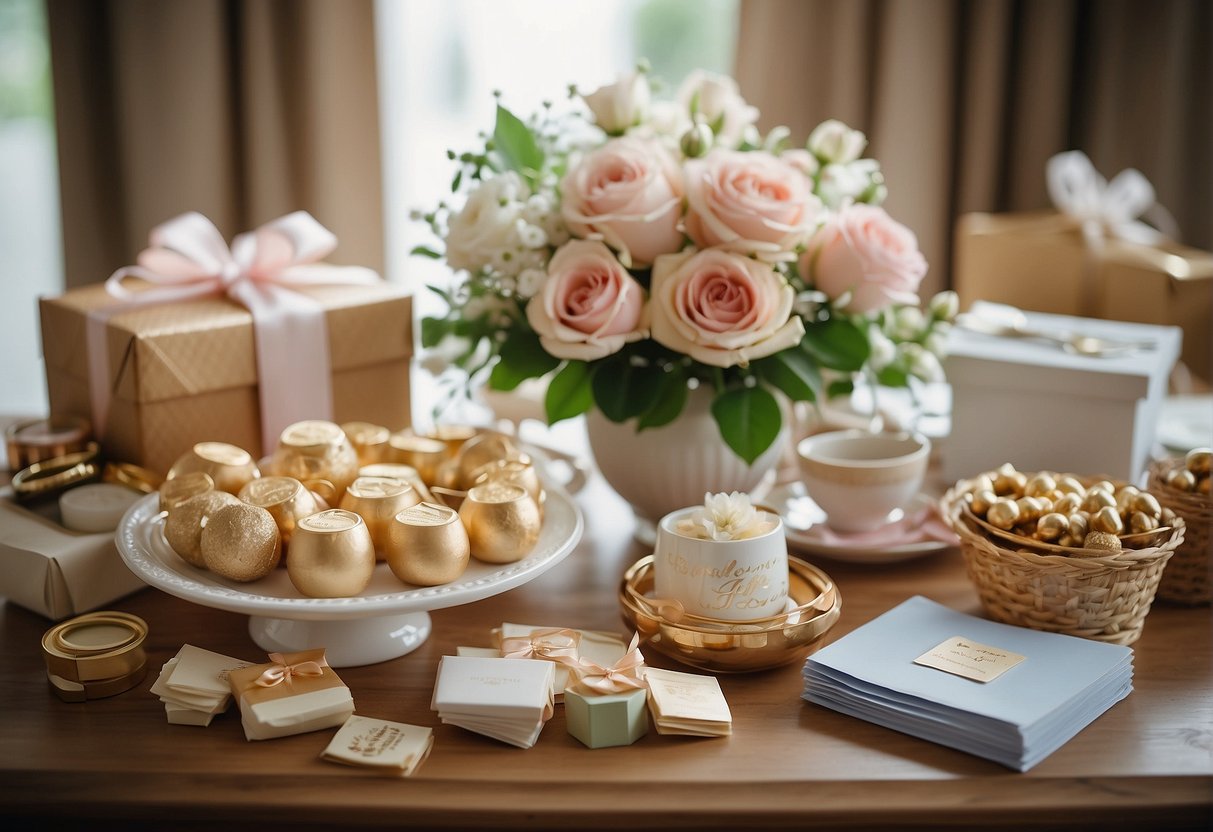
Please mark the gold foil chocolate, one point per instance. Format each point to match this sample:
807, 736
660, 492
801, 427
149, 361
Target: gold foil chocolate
176, 491
316, 450
502, 522
479, 451
185, 521
332, 555
369, 441
428, 545
454, 436
518, 470
401, 472
241, 543
420, 452
287, 501
377, 500
229, 466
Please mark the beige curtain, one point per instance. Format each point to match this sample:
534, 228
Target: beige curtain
243, 110
963, 102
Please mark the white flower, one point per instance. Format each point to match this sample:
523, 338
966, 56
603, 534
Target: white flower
726, 517
532, 236
843, 183
908, 322
945, 305
530, 281
936, 343
922, 363
486, 227
717, 99
883, 351
834, 142
621, 105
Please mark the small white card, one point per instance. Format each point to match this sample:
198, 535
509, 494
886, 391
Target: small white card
392, 747
687, 703
202, 672
969, 659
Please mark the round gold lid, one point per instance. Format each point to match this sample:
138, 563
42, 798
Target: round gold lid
98, 646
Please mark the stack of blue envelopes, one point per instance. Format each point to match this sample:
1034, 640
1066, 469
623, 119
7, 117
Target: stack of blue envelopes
1009, 694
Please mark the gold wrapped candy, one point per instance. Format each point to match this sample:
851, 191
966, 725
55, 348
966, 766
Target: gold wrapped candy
318, 454
427, 545
229, 467
332, 555
502, 522
377, 500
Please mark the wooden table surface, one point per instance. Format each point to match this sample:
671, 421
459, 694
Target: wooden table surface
116, 763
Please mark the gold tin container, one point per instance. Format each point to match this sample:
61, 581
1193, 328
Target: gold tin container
37, 440
95, 655
318, 454
377, 500
502, 522
286, 499
421, 452
427, 545
733, 646
369, 441
229, 466
176, 491
332, 555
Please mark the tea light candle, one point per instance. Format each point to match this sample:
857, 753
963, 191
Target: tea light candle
97, 507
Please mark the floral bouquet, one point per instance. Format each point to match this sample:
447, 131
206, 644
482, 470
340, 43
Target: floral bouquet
635, 251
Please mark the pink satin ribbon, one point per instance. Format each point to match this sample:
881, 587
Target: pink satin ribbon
626, 674
188, 259
282, 672
555, 645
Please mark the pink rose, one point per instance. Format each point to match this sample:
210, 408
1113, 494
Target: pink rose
589, 306
864, 251
750, 202
721, 308
628, 193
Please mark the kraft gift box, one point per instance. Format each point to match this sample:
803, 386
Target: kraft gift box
182, 373
1041, 261
307, 696
53, 571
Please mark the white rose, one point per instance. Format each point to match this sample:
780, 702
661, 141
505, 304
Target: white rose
945, 305
621, 105
486, 226
841, 183
883, 351
717, 99
834, 142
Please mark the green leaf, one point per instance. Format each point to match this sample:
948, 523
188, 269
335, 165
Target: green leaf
515, 143
623, 389
837, 343
569, 393
457, 181
522, 357
892, 376
426, 251
793, 372
749, 420
433, 330
843, 387
670, 401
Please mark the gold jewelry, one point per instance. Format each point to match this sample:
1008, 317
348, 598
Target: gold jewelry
52, 476
132, 476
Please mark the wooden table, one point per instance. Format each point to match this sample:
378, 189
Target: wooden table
116, 763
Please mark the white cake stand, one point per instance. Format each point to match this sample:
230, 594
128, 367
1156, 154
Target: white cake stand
386, 621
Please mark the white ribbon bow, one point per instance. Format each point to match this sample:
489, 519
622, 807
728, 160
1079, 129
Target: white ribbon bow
188, 259
1103, 207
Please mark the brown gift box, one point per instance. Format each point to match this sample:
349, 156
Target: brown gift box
297, 702
183, 373
1040, 261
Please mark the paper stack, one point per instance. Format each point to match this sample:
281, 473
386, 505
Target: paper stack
193, 685
1009, 694
601, 648
687, 704
506, 699
380, 746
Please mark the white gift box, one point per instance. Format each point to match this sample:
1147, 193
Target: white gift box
1034, 404
53, 571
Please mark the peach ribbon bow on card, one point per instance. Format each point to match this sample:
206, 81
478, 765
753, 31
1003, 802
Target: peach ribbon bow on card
280, 671
624, 675
557, 645
188, 259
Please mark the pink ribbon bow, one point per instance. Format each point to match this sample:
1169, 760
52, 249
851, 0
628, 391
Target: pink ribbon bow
555, 644
281, 672
626, 674
188, 259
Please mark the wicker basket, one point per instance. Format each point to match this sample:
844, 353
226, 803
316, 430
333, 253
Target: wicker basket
1103, 598
1187, 579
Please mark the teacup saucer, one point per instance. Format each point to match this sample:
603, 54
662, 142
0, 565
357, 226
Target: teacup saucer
916, 532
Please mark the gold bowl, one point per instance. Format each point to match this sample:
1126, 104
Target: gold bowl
733, 646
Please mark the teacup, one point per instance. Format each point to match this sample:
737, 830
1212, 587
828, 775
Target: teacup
729, 580
859, 478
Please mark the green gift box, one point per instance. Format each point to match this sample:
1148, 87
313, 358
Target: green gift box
606, 719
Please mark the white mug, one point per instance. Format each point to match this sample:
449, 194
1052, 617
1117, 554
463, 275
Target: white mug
729, 580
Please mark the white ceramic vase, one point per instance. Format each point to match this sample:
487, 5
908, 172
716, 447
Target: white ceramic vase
659, 470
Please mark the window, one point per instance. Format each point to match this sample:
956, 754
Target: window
441, 62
